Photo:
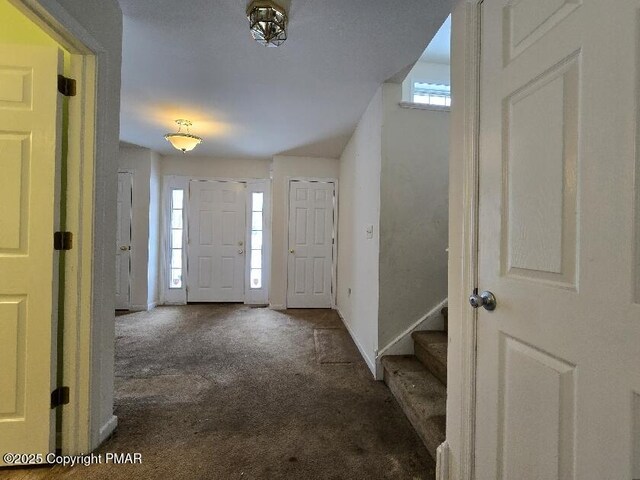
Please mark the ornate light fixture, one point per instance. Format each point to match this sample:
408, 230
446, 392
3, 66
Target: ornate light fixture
185, 142
268, 23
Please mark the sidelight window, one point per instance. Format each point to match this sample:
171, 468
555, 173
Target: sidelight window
257, 230
176, 238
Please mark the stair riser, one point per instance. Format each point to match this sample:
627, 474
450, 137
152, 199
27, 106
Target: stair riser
437, 368
431, 438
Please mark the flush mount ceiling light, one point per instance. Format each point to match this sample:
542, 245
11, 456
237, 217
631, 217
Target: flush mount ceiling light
268, 23
185, 142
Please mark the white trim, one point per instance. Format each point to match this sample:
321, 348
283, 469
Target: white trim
370, 363
172, 296
442, 461
463, 200
258, 296
81, 298
179, 296
403, 343
277, 307
152, 305
107, 429
424, 106
334, 260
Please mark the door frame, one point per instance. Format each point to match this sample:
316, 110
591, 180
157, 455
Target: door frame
77, 430
178, 296
456, 457
132, 173
334, 255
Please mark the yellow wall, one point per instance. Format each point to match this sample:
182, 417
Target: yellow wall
16, 27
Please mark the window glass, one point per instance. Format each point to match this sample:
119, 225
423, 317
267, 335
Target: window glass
176, 198
176, 219
432, 94
256, 278
256, 239
256, 221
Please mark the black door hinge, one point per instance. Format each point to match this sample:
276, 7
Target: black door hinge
66, 86
60, 396
62, 241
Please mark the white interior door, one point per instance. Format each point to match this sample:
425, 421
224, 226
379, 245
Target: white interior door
216, 249
311, 220
29, 182
123, 240
558, 360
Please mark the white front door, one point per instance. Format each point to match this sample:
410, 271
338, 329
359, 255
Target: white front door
558, 360
123, 241
216, 249
29, 182
311, 222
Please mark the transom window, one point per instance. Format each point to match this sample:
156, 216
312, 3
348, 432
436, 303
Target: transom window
432, 94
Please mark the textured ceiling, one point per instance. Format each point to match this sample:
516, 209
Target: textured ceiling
197, 60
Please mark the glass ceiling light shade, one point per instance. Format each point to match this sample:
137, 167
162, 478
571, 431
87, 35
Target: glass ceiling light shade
185, 142
268, 23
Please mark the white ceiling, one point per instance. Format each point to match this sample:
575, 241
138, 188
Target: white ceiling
197, 60
439, 50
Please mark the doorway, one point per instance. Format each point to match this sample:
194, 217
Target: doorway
311, 245
46, 219
123, 240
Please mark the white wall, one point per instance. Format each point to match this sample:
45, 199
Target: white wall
138, 161
413, 214
153, 267
358, 257
194, 166
284, 168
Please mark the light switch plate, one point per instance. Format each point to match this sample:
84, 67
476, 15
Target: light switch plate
369, 232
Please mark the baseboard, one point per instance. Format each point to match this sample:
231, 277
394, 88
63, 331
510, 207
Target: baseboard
403, 343
277, 307
151, 306
138, 308
370, 363
442, 461
107, 429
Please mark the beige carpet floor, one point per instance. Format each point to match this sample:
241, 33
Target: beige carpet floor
232, 392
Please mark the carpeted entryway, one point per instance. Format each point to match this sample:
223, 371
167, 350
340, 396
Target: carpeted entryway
228, 391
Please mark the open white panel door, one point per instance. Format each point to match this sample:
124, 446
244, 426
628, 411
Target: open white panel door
123, 241
216, 249
29, 160
310, 262
558, 366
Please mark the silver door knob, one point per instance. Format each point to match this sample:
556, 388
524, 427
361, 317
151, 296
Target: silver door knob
240, 251
486, 299
292, 251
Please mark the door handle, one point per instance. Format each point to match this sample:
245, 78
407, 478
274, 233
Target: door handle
240, 251
292, 251
124, 248
486, 299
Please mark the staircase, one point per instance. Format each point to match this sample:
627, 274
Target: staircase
419, 383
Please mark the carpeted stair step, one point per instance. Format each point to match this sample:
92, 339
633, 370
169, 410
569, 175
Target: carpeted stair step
431, 349
423, 397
